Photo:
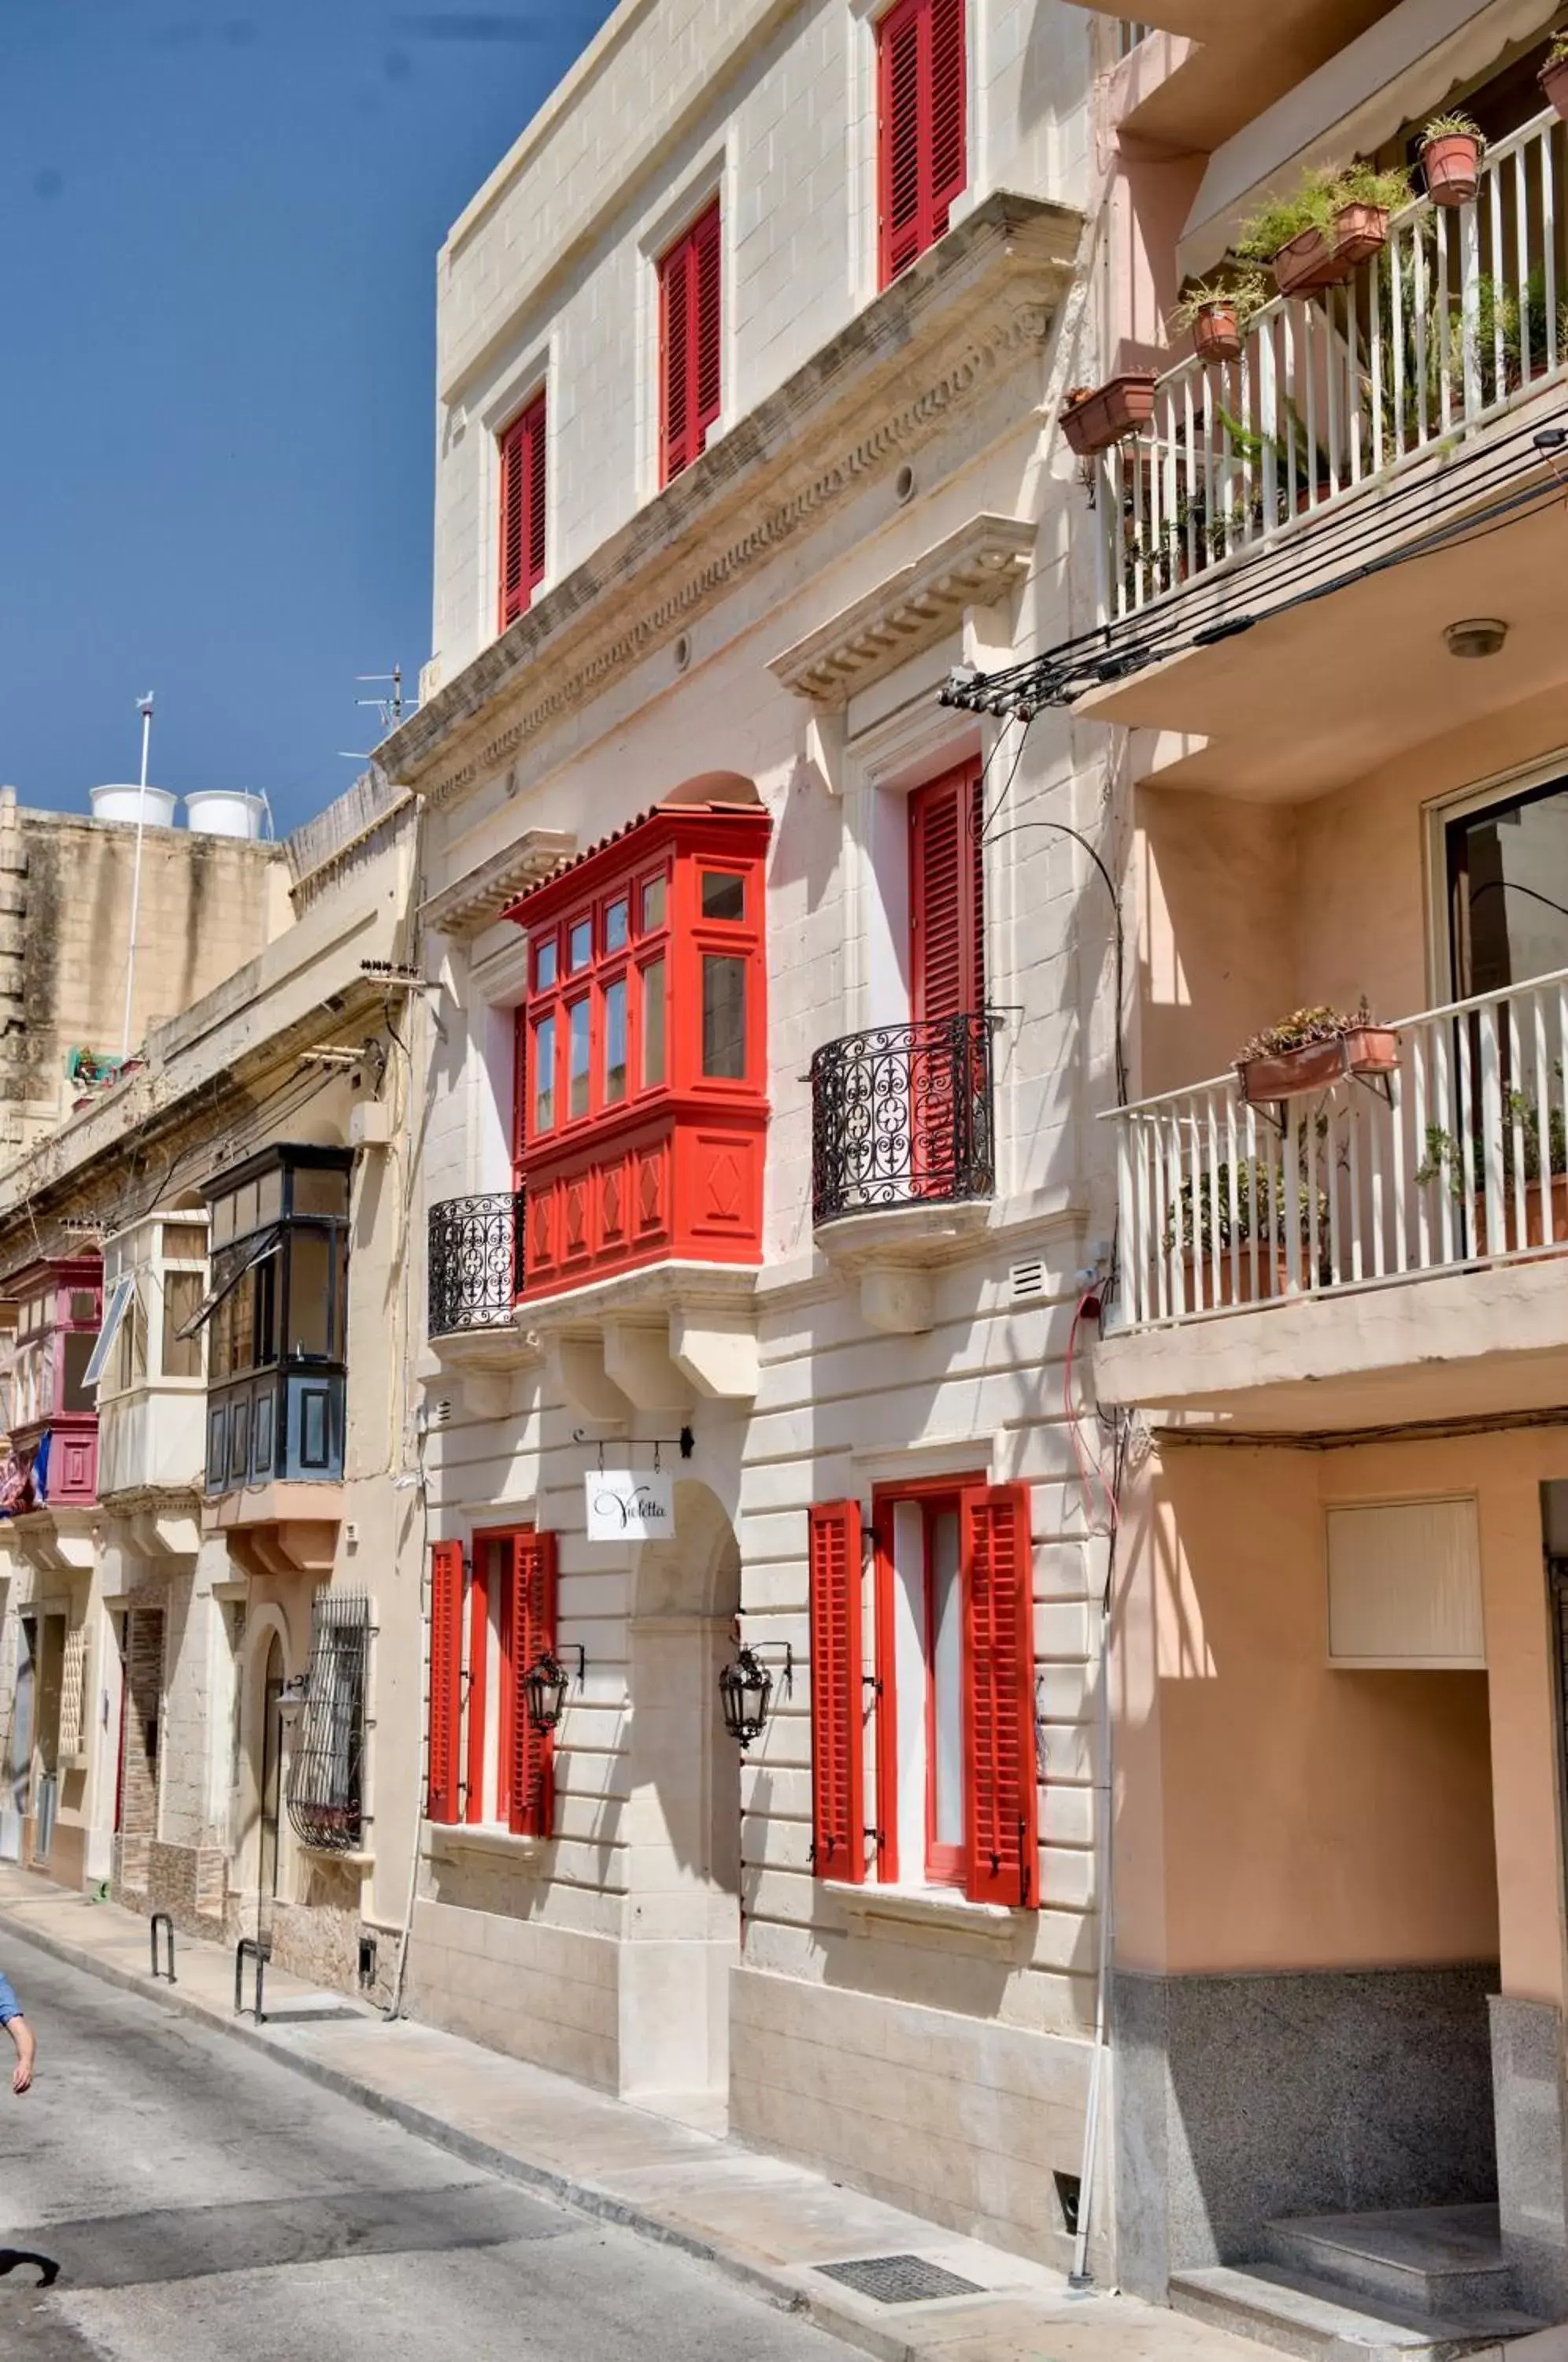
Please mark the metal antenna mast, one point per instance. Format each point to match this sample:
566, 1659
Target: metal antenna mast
392, 709
144, 707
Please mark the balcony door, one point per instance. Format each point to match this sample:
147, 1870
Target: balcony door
1507, 880
947, 982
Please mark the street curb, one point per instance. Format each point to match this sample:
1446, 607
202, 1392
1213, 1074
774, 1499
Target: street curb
588, 2198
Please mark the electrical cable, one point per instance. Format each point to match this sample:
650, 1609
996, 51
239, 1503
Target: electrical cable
1108, 652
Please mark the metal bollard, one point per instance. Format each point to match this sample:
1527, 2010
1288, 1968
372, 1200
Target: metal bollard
162, 1919
249, 1947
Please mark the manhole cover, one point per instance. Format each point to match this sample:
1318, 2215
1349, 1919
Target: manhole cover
899, 2279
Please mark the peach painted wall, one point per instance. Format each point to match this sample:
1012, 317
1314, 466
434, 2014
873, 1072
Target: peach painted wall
1248, 910
1275, 1813
1217, 897
1149, 200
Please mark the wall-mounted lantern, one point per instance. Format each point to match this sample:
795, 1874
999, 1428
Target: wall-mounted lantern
745, 1690
291, 1699
546, 1684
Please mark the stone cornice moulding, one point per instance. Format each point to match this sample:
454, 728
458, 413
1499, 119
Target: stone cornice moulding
891, 380
977, 566
486, 892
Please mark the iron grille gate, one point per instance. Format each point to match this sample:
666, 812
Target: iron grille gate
326, 1771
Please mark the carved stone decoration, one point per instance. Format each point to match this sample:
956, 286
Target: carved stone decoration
975, 566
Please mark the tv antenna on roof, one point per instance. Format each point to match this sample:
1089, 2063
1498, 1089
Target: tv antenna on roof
392, 709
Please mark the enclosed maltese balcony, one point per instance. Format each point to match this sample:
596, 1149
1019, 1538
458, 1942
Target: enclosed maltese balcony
1385, 1248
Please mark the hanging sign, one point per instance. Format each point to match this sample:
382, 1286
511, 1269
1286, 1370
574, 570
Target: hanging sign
629, 1505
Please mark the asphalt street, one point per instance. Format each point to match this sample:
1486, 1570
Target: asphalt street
202, 2202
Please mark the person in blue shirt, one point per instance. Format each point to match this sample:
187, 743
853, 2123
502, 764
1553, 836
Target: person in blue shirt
21, 2034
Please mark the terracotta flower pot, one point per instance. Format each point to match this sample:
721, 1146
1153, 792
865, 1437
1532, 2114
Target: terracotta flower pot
1217, 333
1553, 81
1453, 168
1308, 261
1360, 232
1363, 1050
1200, 1293
1110, 412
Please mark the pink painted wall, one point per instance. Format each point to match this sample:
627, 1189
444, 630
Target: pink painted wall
1247, 911
1275, 1813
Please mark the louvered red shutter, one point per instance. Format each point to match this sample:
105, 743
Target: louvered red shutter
522, 510
707, 324
690, 343
445, 1679
922, 102
946, 899
899, 162
1002, 1795
536, 495
838, 1765
531, 1801
948, 164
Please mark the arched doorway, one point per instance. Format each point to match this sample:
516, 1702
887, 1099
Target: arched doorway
683, 1815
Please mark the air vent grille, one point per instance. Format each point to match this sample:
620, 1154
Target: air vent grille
1028, 1279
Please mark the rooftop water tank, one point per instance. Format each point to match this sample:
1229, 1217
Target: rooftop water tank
153, 806
225, 811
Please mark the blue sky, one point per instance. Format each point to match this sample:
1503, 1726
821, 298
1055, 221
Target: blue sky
218, 232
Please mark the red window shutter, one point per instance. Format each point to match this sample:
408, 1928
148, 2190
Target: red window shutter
522, 510
691, 344
922, 102
948, 164
838, 1765
531, 1803
707, 259
946, 898
445, 1679
1001, 1779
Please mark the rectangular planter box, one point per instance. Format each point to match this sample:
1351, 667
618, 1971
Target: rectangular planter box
1534, 1218
1120, 407
1363, 1050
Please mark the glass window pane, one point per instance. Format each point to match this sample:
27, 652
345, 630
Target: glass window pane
616, 925
544, 1075
76, 1395
223, 1220
265, 1329
545, 964
579, 945
320, 1192
653, 905
242, 1325
946, 1679
653, 1024
1508, 872
83, 1305
578, 1022
269, 1195
615, 1042
310, 1293
182, 1293
184, 1242
723, 895
245, 1209
723, 1019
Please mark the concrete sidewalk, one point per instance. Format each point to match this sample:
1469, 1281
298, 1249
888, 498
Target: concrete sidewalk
767, 2223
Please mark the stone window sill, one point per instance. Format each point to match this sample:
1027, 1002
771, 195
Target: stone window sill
475, 1836
363, 1862
923, 1906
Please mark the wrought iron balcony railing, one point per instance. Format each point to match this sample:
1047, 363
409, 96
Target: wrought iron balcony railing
901, 1116
476, 1262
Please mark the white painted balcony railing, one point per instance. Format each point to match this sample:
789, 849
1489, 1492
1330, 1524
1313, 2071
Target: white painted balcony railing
1460, 315
1458, 1158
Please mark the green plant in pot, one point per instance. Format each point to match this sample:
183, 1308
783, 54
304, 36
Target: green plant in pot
1521, 1167
1451, 150
1312, 1049
1216, 314
1553, 75
1315, 235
